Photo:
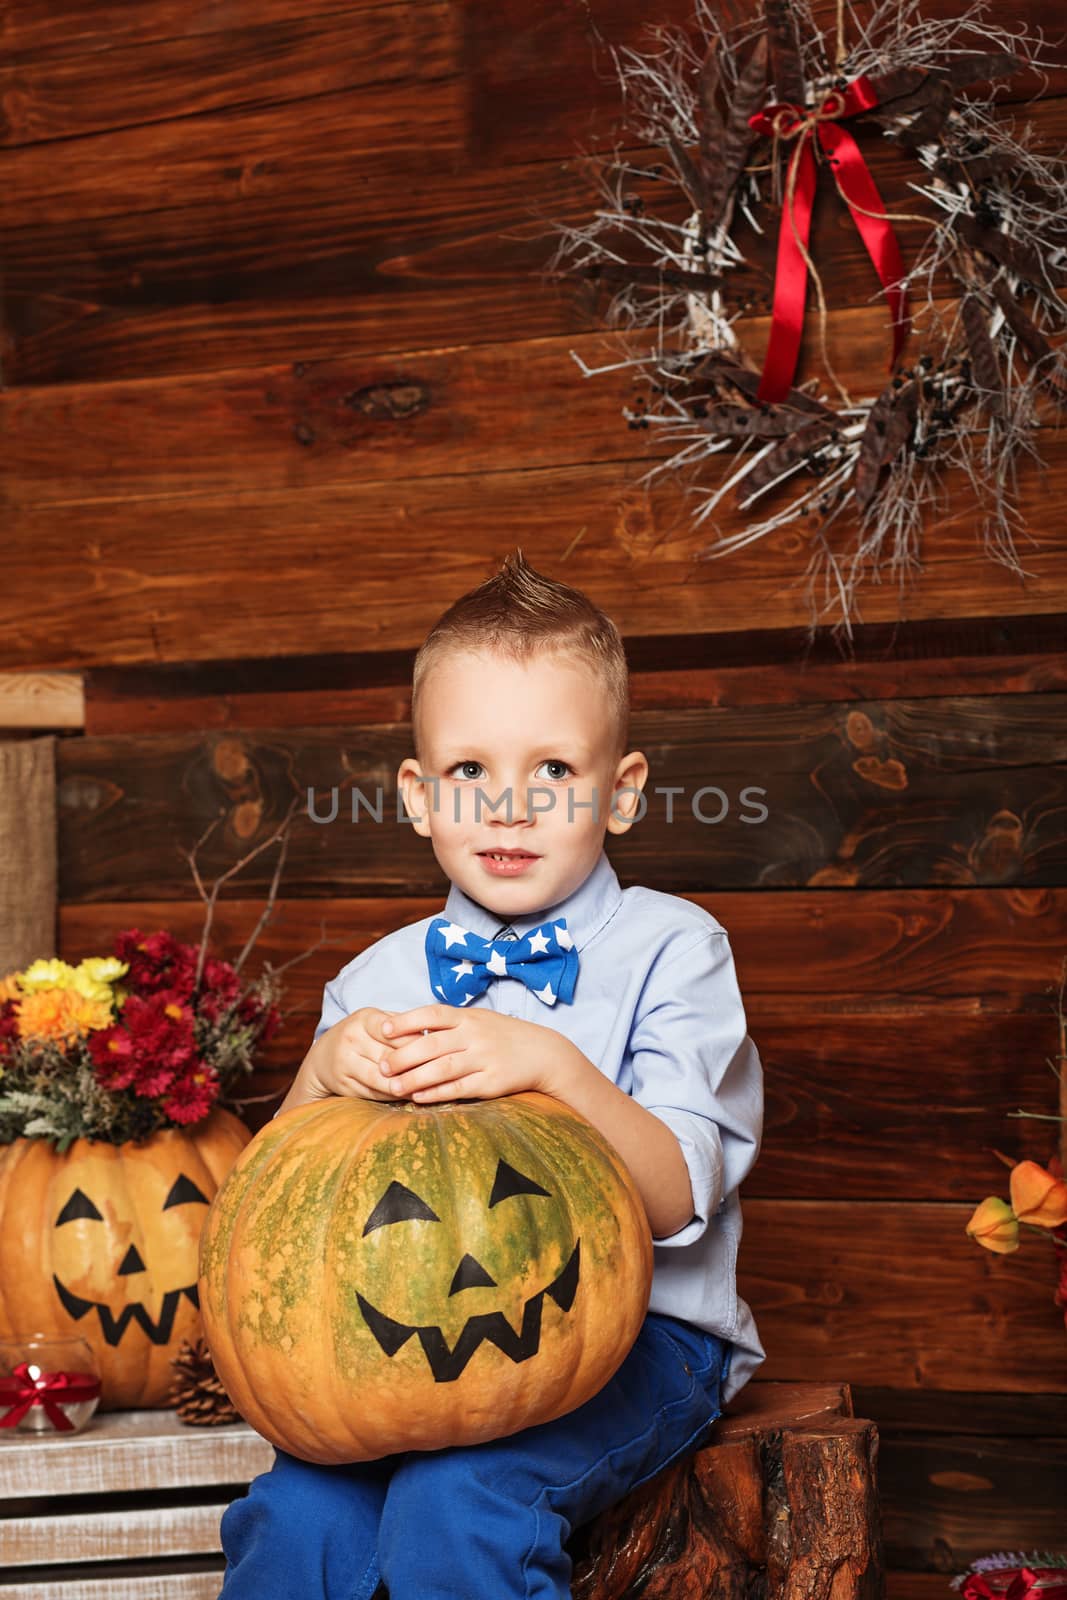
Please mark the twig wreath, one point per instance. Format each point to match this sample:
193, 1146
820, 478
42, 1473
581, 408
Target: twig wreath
745, 115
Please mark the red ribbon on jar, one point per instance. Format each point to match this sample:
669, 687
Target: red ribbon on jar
28, 1386
1026, 1583
784, 120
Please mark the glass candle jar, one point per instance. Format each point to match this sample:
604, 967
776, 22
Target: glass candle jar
47, 1384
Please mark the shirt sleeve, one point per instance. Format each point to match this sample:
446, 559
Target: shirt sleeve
333, 1008
694, 1066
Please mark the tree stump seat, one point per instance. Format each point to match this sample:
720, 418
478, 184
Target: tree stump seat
781, 1504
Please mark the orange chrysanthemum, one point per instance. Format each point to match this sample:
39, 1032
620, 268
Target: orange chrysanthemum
9, 989
61, 1015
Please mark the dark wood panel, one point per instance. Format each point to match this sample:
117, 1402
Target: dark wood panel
290, 58
223, 576
542, 77
270, 154
904, 1585
908, 1412
995, 655
948, 1500
951, 792
885, 1104
75, 27
895, 1295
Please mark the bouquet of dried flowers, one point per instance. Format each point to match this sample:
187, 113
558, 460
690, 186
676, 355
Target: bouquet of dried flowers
147, 1037
1038, 1195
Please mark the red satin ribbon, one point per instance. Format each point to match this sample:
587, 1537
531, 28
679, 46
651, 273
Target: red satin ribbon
789, 121
1027, 1583
51, 1390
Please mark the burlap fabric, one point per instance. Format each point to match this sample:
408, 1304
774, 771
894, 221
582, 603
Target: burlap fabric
27, 851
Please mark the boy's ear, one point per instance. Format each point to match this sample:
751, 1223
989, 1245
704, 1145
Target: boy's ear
418, 794
630, 774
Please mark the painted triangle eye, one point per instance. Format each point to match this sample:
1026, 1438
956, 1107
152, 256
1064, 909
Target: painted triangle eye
182, 1191
79, 1205
399, 1204
509, 1182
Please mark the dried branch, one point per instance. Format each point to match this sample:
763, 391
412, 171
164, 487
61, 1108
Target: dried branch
210, 897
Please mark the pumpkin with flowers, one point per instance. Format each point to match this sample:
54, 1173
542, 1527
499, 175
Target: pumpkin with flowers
113, 1141
119, 1046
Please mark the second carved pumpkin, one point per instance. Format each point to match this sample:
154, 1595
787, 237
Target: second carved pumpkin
102, 1242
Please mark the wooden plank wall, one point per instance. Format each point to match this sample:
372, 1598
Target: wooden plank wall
281, 379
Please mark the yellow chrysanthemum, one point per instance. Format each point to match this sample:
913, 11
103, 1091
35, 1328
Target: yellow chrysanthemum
94, 977
46, 975
9, 988
88, 1012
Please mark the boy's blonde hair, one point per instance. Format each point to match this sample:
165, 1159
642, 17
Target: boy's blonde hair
519, 613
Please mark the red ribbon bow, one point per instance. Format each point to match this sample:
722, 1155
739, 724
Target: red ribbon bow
51, 1390
859, 191
1027, 1583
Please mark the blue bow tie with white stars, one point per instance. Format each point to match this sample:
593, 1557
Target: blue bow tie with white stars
462, 964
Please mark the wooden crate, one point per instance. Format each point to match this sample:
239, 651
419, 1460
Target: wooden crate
130, 1508
782, 1500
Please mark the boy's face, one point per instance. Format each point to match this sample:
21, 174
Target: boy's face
538, 734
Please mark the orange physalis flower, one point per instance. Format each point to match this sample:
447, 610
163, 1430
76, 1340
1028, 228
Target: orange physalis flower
994, 1226
1036, 1196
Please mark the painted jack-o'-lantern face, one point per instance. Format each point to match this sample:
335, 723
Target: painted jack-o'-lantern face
102, 1241
399, 1204
380, 1276
110, 1263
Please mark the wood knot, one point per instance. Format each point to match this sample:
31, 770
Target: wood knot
389, 402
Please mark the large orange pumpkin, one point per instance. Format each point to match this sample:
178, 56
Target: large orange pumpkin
102, 1242
382, 1276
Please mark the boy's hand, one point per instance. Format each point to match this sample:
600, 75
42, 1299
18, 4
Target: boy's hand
468, 1055
344, 1060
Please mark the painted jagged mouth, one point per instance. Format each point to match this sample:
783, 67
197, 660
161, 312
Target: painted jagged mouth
158, 1329
492, 1326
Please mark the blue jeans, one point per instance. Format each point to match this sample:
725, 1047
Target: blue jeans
475, 1522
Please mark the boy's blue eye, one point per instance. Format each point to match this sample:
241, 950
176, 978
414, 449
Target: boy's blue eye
549, 761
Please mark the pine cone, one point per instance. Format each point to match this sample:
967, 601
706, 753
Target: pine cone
196, 1391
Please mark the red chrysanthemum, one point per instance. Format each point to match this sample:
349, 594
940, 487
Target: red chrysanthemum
192, 1097
150, 1048
9, 1027
156, 961
115, 1061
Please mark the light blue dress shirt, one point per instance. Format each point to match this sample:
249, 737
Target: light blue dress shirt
657, 1008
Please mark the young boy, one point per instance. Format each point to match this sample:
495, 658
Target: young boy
540, 974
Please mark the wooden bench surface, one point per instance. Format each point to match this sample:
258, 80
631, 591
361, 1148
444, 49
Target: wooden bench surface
55, 1548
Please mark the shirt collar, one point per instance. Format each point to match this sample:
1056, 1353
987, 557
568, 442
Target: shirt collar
586, 909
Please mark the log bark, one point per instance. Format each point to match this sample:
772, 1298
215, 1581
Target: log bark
785, 1511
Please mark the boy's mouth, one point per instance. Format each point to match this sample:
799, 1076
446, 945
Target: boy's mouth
507, 863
